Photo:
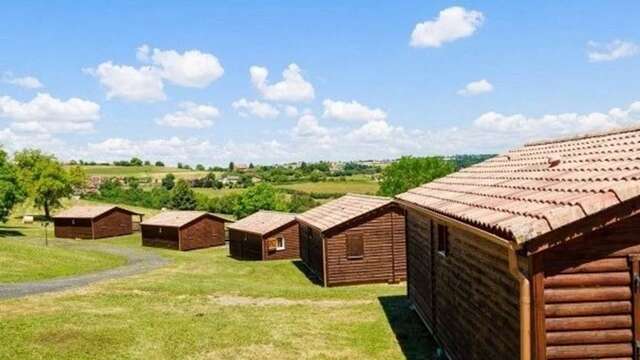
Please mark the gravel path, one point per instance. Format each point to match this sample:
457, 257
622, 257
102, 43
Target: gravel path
138, 261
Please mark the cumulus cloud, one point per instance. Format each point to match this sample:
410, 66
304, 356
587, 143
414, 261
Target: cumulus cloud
476, 88
351, 111
451, 24
190, 69
291, 111
192, 115
614, 50
292, 88
308, 126
129, 83
257, 108
47, 114
27, 82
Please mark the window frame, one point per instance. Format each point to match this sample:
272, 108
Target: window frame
442, 240
352, 236
284, 244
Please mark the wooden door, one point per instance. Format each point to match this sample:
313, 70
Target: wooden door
634, 264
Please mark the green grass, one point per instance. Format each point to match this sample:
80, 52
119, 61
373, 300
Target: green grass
24, 257
358, 187
141, 171
205, 305
218, 192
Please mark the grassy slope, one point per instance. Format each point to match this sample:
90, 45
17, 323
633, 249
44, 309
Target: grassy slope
206, 305
23, 257
141, 171
359, 187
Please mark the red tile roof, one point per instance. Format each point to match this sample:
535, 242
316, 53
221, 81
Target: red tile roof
541, 186
341, 210
178, 218
88, 212
263, 222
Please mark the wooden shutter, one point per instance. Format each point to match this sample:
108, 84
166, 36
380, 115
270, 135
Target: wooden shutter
355, 246
272, 244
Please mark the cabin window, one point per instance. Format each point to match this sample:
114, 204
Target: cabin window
159, 230
73, 221
280, 243
443, 240
355, 246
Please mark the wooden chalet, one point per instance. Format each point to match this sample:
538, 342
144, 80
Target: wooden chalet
533, 254
184, 230
265, 235
354, 239
94, 222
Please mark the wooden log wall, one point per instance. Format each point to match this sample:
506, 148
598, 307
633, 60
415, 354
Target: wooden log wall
64, 228
114, 223
152, 236
245, 246
202, 233
311, 250
291, 236
586, 307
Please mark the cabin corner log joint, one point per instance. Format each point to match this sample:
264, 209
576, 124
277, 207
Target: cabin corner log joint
541, 258
265, 235
184, 230
354, 239
94, 222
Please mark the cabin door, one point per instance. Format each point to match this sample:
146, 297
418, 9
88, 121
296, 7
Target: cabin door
634, 262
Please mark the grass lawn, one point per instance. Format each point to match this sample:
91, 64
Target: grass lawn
217, 192
358, 187
23, 257
205, 305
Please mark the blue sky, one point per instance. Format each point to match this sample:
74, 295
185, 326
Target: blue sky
77, 80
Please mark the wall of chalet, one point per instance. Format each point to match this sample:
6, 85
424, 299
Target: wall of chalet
202, 233
67, 229
245, 246
384, 250
311, 251
469, 299
291, 234
585, 305
160, 236
113, 223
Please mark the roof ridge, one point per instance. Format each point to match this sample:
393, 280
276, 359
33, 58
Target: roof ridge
365, 196
586, 135
275, 212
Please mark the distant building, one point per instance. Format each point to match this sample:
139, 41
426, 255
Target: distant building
94, 222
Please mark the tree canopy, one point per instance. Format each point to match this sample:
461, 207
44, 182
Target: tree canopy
409, 172
259, 197
169, 181
11, 191
182, 197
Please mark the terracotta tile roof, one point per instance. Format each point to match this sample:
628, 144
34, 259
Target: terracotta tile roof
175, 218
263, 222
341, 210
541, 186
87, 212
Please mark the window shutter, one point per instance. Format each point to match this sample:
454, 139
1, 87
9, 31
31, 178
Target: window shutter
272, 244
355, 246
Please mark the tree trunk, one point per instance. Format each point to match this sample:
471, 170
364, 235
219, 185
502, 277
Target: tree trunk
46, 210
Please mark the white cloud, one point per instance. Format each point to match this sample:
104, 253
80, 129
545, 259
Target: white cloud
308, 126
451, 24
47, 114
128, 83
378, 130
293, 87
611, 51
351, 111
190, 69
27, 82
257, 108
192, 115
476, 88
142, 53
291, 111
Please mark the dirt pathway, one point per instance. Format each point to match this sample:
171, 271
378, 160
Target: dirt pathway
138, 262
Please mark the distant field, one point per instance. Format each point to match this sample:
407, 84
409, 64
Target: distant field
217, 192
141, 171
358, 187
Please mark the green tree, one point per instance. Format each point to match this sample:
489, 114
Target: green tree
159, 164
44, 177
232, 166
200, 167
11, 191
135, 161
182, 197
169, 181
409, 172
259, 197
78, 178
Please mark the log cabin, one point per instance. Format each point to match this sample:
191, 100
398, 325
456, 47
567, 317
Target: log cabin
94, 222
354, 239
533, 254
265, 235
184, 230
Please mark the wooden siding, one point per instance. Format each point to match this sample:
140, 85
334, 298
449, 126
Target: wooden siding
65, 228
245, 246
291, 234
469, 299
202, 233
384, 257
311, 250
113, 223
153, 236
585, 307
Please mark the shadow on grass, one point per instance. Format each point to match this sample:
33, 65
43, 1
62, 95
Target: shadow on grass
10, 232
307, 272
415, 340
